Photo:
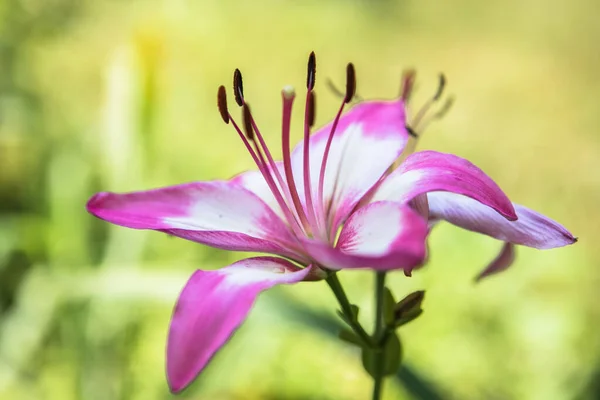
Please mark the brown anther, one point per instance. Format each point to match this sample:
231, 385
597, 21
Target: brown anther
350, 83
222, 103
311, 71
440, 88
247, 116
411, 132
408, 81
238, 87
311, 108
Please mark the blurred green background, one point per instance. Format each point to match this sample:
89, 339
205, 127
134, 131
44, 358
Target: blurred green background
121, 95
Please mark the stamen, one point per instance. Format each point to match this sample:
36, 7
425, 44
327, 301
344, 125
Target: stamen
248, 122
439, 114
309, 116
263, 168
350, 90
334, 88
445, 108
288, 96
238, 87
441, 87
310, 210
422, 119
339, 93
429, 103
350, 83
311, 108
408, 82
406, 89
251, 129
411, 132
222, 103
250, 126
312, 71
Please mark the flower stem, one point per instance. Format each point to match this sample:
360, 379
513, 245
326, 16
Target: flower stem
379, 333
340, 295
377, 388
379, 288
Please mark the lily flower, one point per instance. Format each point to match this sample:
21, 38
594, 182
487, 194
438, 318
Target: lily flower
334, 202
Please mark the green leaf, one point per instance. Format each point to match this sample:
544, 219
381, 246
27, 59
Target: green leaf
349, 319
350, 337
385, 360
393, 354
408, 318
343, 317
369, 361
355, 310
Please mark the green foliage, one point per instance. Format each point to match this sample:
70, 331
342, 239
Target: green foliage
349, 319
384, 361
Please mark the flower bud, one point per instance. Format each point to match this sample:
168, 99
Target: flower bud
408, 308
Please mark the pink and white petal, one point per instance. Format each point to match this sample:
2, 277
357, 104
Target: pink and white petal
531, 229
429, 171
219, 214
502, 261
212, 305
381, 236
254, 181
367, 140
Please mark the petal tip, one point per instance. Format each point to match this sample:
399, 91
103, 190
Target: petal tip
511, 215
177, 381
93, 204
562, 237
175, 388
507, 209
502, 262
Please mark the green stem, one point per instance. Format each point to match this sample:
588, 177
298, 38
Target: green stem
379, 333
377, 388
379, 289
340, 295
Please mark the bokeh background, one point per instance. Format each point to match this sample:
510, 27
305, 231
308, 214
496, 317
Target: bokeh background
120, 95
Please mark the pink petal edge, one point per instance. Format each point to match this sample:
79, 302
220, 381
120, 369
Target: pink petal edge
212, 305
531, 229
501, 263
431, 171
